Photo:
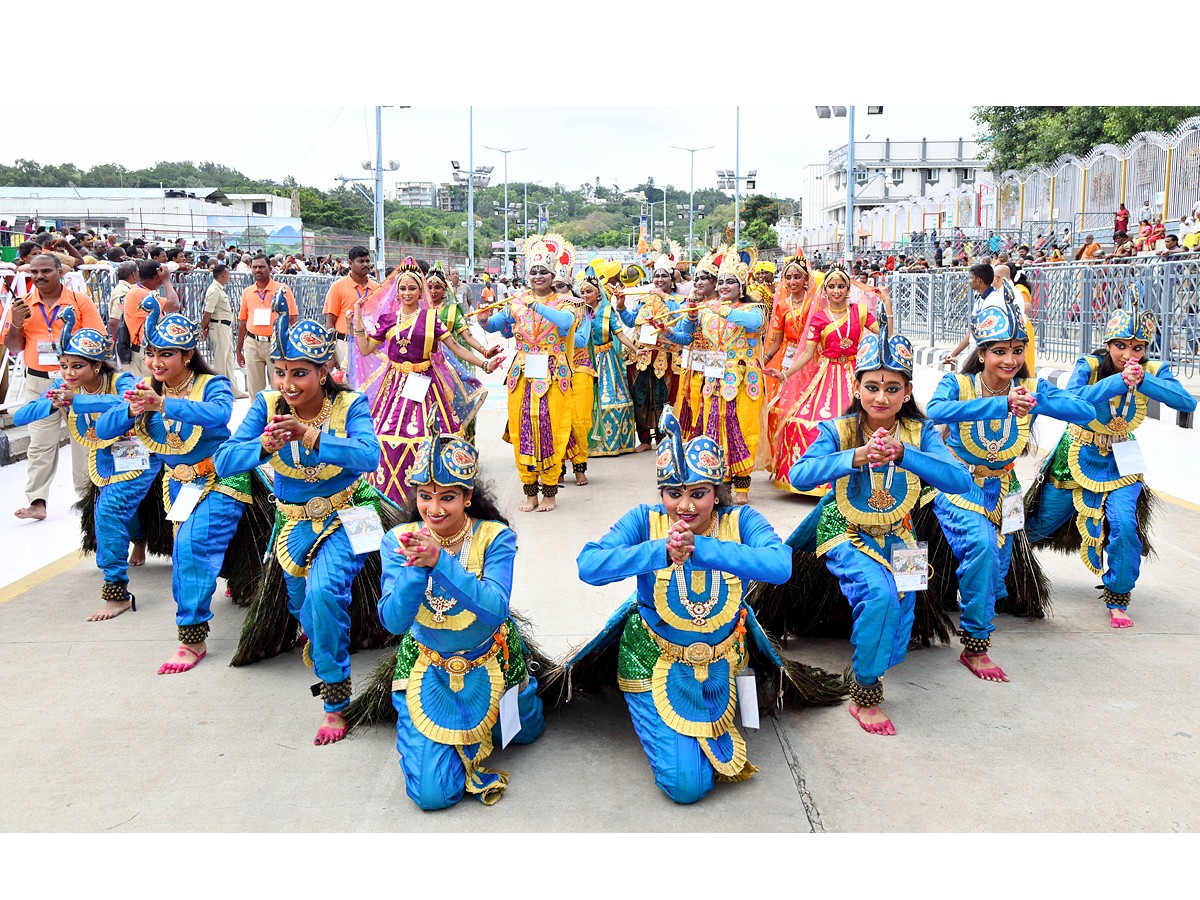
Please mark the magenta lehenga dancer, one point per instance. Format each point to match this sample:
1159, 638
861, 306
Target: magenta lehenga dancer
397, 361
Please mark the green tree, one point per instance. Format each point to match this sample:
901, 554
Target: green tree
1020, 137
761, 235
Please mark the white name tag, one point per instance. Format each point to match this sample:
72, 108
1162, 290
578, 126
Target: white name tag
537, 365
747, 699
648, 334
910, 566
698, 362
1129, 459
416, 386
684, 358
1012, 513
47, 353
185, 501
789, 355
260, 316
363, 528
130, 455
714, 366
510, 715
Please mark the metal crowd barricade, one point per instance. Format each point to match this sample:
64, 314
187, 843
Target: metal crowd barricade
1072, 303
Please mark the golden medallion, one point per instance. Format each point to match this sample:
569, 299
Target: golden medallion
1118, 425
174, 441
90, 434
318, 508
846, 343
183, 473
880, 499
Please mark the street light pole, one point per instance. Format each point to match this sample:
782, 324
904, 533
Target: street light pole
379, 187
691, 191
737, 184
506, 152
850, 194
470, 192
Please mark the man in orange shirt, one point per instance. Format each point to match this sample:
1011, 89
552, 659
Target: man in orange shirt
256, 323
33, 328
343, 294
1090, 249
151, 276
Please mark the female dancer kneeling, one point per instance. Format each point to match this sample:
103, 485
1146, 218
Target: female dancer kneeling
877, 455
1083, 481
447, 583
319, 438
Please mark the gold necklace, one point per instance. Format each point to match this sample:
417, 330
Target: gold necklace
454, 538
443, 605
699, 611
320, 418
988, 388
881, 492
183, 388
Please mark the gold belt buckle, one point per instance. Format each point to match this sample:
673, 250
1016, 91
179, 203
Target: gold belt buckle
184, 473
698, 653
406, 367
457, 665
318, 508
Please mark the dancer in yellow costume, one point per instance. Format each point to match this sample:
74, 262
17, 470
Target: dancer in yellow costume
539, 380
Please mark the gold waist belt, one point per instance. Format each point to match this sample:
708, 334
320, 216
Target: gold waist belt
699, 653
1081, 435
186, 473
407, 367
317, 508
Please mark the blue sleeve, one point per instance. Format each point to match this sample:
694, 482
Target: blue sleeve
628, 316
760, 556
944, 406
101, 403
824, 460
1164, 387
748, 317
115, 422
582, 334
214, 410
1080, 375
934, 465
34, 410
624, 552
243, 450
487, 597
499, 321
1066, 406
560, 318
403, 587
359, 450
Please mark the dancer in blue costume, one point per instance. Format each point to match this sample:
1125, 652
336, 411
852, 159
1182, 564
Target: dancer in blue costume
1082, 481
614, 430
876, 456
447, 583
181, 414
90, 386
318, 437
991, 408
686, 633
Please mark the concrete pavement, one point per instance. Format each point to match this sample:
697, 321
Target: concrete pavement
1097, 730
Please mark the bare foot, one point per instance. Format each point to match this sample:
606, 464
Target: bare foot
332, 730
137, 554
581, 478
529, 504
186, 657
35, 510
872, 719
641, 448
982, 667
110, 610
546, 505
1118, 618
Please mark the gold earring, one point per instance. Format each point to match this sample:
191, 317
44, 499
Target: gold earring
856, 397
323, 379
467, 505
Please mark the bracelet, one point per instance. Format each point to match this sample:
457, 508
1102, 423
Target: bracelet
309, 441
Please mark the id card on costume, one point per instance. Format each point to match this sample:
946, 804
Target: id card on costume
685, 359
130, 455
789, 356
747, 699
698, 361
1128, 457
648, 334
363, 527
261, 316
416, 386
1012, 513
510, 716
910, 566
47, 353
185, 501
537, 365
714, 366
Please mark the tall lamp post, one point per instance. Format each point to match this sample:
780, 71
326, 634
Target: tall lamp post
506, 209
376, 200
732, 181
691, 190
480, 176
824, 112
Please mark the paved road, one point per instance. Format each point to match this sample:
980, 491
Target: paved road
1096, 732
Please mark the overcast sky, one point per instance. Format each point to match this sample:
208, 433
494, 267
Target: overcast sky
568, 145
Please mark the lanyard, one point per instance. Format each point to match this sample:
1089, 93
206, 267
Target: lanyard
49, 320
